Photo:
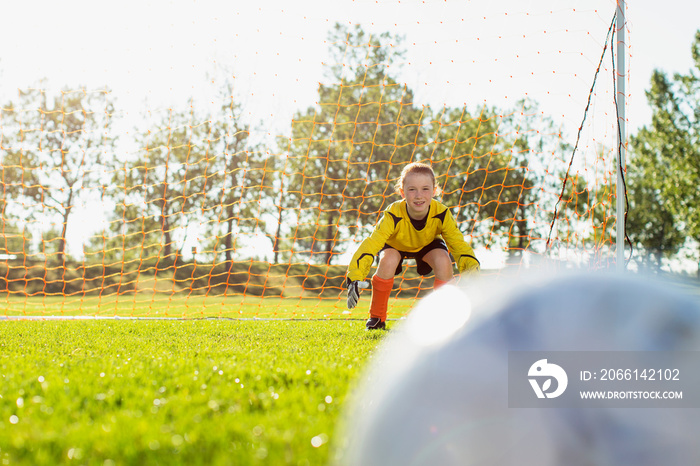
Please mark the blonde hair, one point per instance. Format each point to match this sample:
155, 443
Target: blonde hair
416, 168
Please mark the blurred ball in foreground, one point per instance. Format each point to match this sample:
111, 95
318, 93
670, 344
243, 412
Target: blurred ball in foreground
437, 390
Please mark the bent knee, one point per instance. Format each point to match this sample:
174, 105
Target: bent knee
390, 255
388, 262
441, 263
437, 258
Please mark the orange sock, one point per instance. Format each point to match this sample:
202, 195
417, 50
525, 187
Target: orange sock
381, 290
437, 284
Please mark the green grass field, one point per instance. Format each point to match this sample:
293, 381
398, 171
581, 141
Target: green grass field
166, 305
112, 392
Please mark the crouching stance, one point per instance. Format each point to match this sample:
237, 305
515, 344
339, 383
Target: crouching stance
416, 227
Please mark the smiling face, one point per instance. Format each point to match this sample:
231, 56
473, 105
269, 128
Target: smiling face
418, 190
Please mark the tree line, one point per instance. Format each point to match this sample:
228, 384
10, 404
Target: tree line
664, 167
326, 183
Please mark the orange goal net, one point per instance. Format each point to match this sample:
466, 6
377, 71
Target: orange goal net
231, 201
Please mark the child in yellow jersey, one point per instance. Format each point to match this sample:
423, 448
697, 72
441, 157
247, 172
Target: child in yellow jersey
417, 227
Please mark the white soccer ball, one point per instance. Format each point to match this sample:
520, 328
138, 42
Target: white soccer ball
437, 390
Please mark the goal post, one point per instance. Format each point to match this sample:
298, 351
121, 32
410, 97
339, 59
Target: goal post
620, 99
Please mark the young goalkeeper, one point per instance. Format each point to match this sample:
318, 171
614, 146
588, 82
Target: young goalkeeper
416, 227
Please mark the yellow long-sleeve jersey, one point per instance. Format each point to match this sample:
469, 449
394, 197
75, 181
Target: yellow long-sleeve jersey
396, 229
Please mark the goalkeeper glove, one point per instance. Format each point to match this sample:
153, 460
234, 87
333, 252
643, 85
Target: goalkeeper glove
468, 264
354, 291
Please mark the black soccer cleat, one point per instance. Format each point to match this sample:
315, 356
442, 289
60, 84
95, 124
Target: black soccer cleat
375, 323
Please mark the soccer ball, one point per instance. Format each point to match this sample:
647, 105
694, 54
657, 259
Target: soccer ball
437, 390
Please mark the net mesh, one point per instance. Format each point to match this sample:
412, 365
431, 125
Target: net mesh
200, 212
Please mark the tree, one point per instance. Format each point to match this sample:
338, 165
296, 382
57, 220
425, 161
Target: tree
587, 201
53, 153
195, 172
488, 164
665, 157
345, 151
652, 227
165, 186
242, 184
476, 167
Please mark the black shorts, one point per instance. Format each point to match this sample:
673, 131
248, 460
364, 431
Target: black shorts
423, 268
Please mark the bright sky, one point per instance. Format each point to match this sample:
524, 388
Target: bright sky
158, 53
458, 51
